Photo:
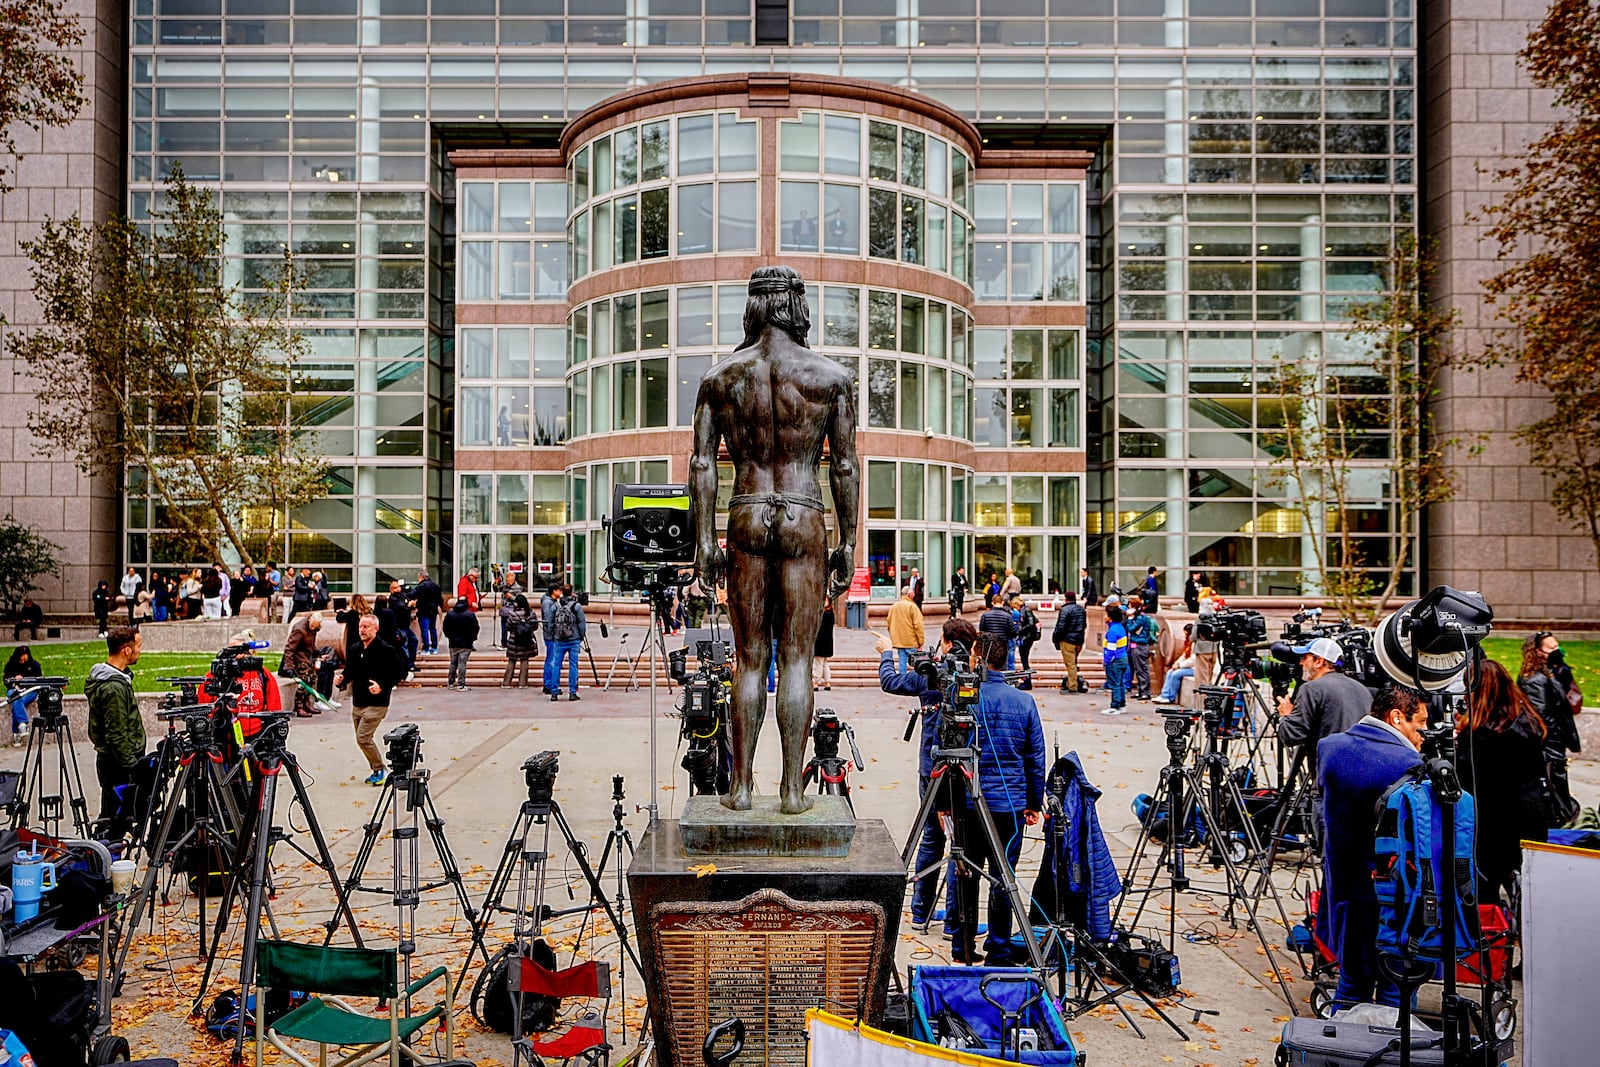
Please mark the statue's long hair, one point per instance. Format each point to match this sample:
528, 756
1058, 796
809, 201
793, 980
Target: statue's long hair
777, 299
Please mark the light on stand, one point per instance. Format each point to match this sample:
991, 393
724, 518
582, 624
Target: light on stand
1428, 642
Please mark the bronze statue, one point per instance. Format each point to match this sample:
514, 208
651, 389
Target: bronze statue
774, 402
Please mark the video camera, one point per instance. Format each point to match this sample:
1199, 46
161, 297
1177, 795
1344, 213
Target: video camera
48, 707
1356, 655
826, 730
539, 772
404, 745
1148, 964
958, 687
232, 664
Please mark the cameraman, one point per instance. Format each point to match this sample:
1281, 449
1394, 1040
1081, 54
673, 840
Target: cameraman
956, 639
1355, 769
1010, 743
1325, 702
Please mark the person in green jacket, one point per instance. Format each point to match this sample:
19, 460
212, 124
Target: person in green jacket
115, 726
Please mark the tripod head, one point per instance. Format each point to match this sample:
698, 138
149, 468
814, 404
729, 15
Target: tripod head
825, 733
268, 746
1177, 722
48, 708
539, 772
404, 749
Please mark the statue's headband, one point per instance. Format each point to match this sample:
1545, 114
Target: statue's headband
791, 284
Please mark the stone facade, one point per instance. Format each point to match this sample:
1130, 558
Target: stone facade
79, 170
1499, 535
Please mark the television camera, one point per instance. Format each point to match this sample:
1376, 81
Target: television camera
958, 686
704, 710
539, 774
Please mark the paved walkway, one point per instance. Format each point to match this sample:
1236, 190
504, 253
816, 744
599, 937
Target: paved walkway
475, 744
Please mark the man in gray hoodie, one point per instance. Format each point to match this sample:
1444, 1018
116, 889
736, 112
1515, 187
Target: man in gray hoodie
115, 726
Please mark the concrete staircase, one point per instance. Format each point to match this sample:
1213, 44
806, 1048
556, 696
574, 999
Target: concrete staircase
487, 667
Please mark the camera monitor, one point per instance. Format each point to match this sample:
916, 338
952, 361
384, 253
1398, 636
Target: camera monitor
652, 525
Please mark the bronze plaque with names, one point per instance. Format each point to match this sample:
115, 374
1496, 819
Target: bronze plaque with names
764, 959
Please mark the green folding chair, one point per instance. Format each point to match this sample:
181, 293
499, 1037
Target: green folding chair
330, 1021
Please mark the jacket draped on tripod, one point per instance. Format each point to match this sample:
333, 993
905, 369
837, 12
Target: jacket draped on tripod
1080, 865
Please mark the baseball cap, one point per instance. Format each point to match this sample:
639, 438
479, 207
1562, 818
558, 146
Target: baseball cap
1323, 647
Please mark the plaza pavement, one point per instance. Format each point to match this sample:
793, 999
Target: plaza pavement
475, 743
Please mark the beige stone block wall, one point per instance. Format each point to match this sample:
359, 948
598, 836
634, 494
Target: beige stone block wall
1500, 535
78, 169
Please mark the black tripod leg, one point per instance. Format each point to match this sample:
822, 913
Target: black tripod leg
324, 856
252, 915
243, 853
1007, 879
516, 843
594, 884
447, 858
152, 872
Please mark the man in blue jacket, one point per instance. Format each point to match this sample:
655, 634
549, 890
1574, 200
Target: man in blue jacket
1010, 742
1355, 768
957, 639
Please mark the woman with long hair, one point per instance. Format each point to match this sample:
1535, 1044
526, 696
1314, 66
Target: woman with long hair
1549, 696
1502, 764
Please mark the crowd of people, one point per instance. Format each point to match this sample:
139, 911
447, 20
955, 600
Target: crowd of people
214, 592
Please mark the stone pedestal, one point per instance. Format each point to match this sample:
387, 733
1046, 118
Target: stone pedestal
708, 828
762, 937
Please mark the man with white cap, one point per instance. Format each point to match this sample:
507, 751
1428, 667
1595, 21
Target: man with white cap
1325, 702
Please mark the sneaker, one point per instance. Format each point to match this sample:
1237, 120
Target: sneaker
554, 697
574, 696
377, 777
1117, 711
411, 676
463, 687
919, 925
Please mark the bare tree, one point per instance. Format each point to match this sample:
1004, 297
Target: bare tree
1358, 431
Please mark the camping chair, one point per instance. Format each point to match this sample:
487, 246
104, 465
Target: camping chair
328, 1020
587, 1036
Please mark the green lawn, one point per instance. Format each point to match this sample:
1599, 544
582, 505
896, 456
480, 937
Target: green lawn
74, 658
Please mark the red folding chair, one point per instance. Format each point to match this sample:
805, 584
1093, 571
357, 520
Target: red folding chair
586, 1037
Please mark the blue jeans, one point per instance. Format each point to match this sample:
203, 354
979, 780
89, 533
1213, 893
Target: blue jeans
558, 651
1174, 684
1011, 654
408, 645
1117, 679
19, 710
159, 613
902, 659
430, 633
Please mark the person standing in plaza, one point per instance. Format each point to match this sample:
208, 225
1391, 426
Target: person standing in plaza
521, 644
300, 595
1011, 586
467, 589
1072, 625
1142, 630
130, 591
116, 729
821, 676
102, 607
372, 668
428, 599
918, 587
1150, 592
1115, 659
460, 634
547, 608
1028, 634
905, 627
1086, 588
300, 661
1191, 593
400, 608
567, 631
958, 590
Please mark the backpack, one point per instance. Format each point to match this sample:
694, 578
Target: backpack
522, 633
493, 1003
1408, 879
563, 622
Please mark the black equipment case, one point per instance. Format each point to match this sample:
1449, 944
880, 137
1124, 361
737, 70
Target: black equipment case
1311, 1042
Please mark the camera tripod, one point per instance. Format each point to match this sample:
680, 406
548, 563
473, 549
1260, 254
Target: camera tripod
252, 851
51, 722
826, 768
953, 780
191, 777
530, 867
1240, 683
1220, 806
409, 780
1296, 801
